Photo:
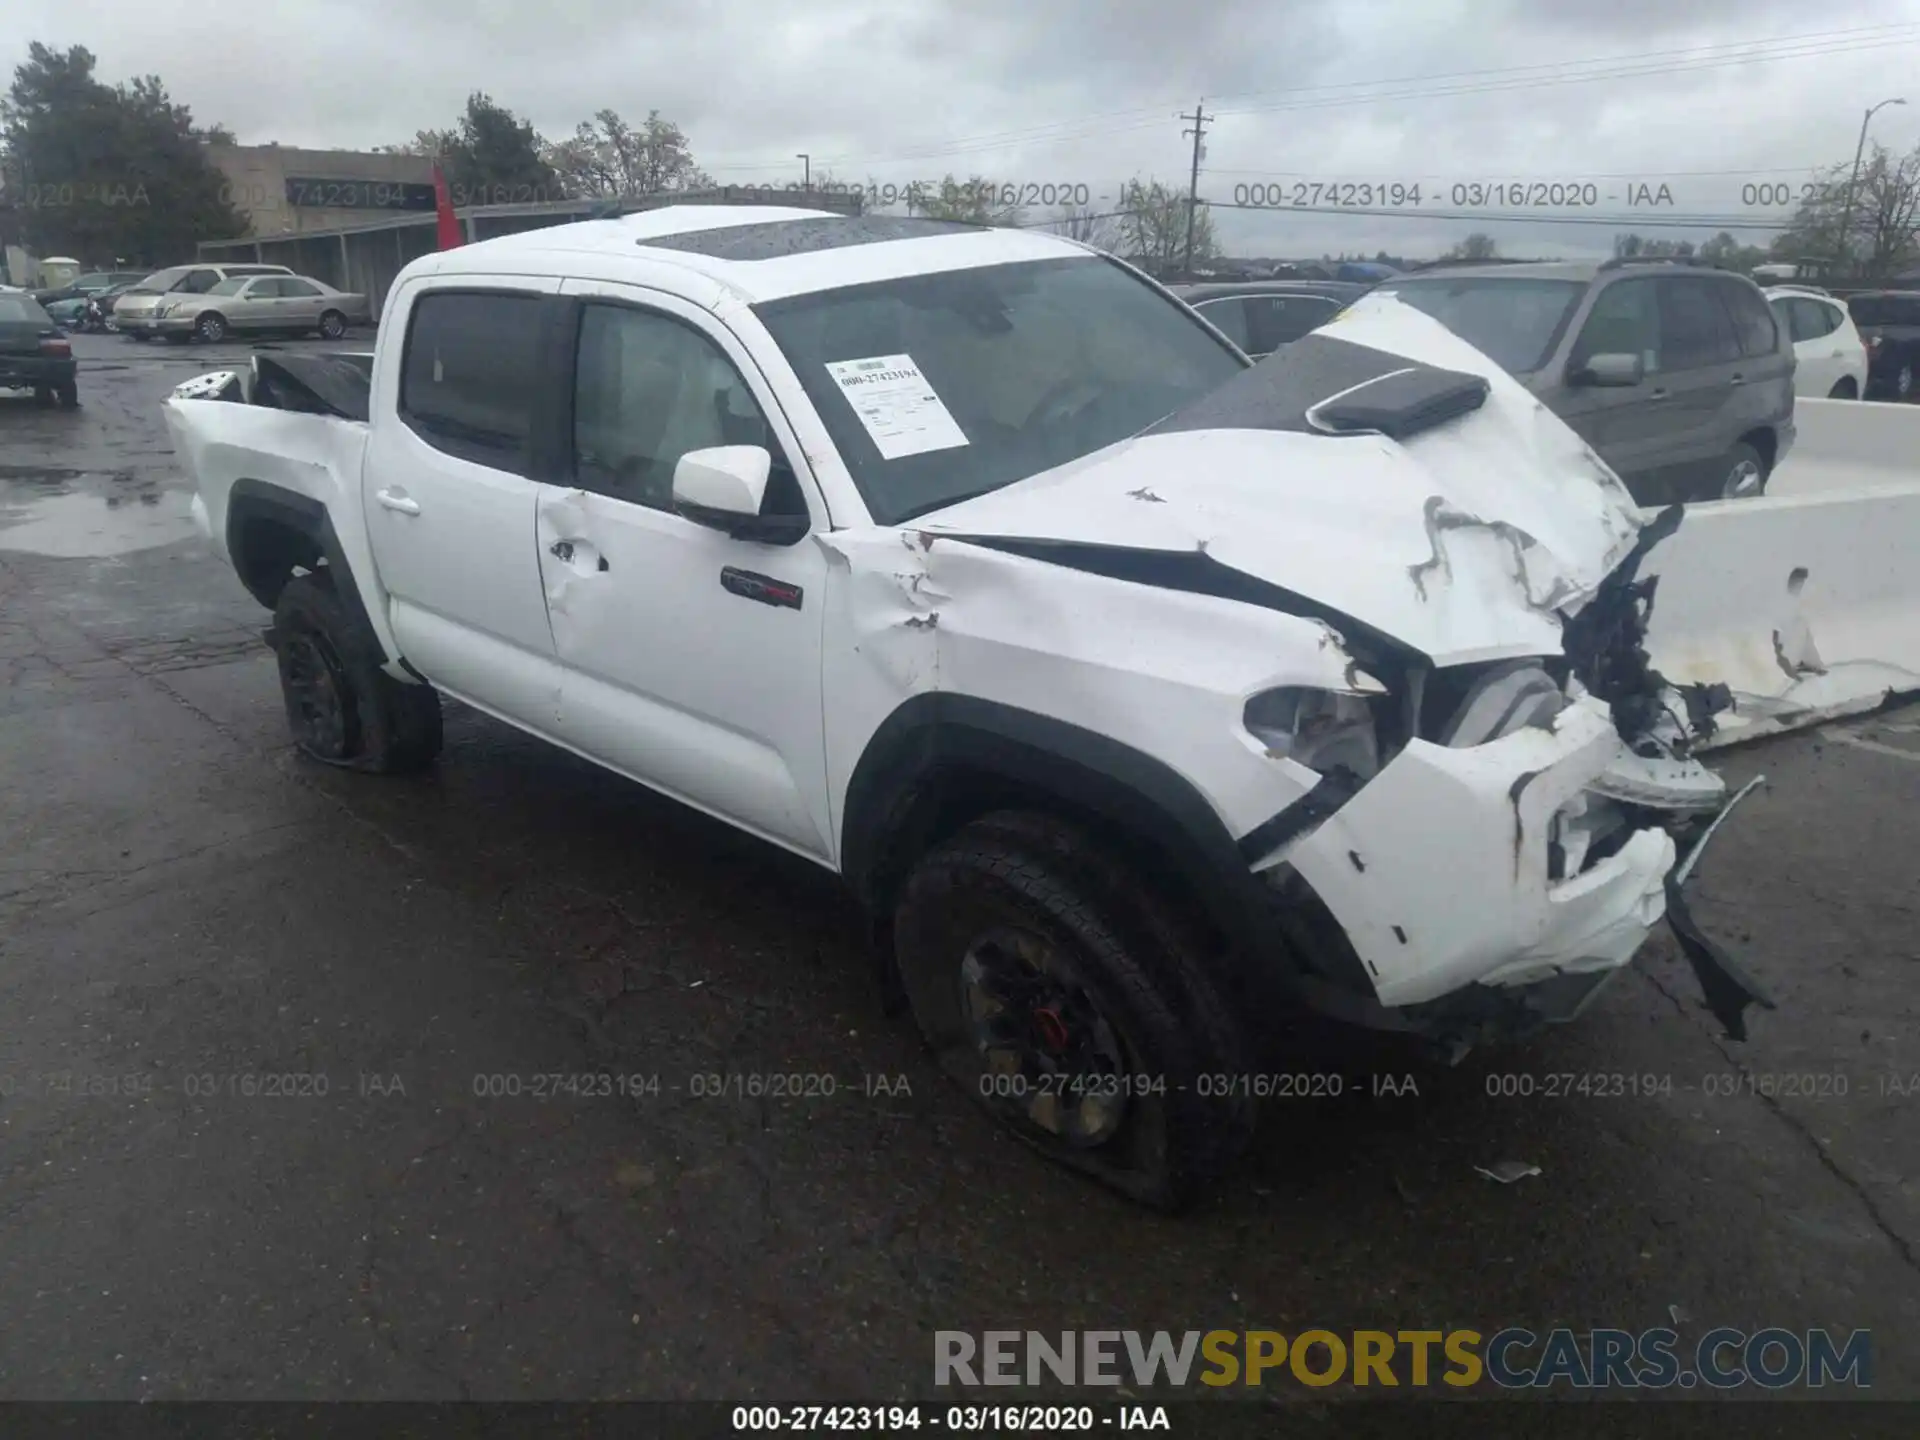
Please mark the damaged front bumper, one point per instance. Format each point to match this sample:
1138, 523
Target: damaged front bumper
1490, 889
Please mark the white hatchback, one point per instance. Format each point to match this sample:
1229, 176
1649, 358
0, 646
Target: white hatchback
1830, 359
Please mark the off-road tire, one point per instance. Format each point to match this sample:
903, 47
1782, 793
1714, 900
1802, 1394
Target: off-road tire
383, 726
1138, 959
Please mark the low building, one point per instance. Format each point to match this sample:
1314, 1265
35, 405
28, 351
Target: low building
364, 258
284, 190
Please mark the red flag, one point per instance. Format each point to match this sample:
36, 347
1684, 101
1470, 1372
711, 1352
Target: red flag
448, 223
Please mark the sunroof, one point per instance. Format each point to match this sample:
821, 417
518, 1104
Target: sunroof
771, 239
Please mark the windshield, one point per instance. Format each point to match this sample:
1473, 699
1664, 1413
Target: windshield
940, 387
22, 309
1512, 322
230, 287
161, 281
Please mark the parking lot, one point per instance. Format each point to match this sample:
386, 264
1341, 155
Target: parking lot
185, 905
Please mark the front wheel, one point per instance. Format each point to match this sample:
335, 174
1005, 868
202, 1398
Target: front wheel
1844, 389
332, 325
1071, 1003
1903, 381
342, 707
211, 327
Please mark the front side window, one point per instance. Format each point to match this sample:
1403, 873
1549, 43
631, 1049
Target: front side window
940, 387
199, 282
1283, 319
1513, 322
648, 389
230, 287
1624, 320
1229, 317
470, 372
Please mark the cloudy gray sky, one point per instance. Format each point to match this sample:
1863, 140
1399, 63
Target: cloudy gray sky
1705, 97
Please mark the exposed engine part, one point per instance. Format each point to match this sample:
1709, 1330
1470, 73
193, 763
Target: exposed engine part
1504, 699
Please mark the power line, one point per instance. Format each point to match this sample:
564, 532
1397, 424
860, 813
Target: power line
1477, 217
1700, 57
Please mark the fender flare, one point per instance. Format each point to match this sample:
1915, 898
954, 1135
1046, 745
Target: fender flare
250, 500
885, 815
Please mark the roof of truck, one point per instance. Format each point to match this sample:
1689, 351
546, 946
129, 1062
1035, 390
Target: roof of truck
758, 252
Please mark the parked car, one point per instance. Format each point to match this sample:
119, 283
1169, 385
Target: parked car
971, 568
75, 311
1889, 323
1675, 373
34, 352
95, 282
1260, 316
261, 305
1829, 357
134, 311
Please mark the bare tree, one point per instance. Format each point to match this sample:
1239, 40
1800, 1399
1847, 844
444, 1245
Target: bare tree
1477, 246
1087, 225
1883, 230
1153, 227
976, 200
606, 158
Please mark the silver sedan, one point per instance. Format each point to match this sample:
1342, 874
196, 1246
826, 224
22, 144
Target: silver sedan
262, 304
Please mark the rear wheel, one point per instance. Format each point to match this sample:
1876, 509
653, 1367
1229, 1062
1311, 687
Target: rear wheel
1903, 381
68, 395
342, 707
1072, 1003
1743, 474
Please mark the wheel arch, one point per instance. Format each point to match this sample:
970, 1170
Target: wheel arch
940, 761
272, 531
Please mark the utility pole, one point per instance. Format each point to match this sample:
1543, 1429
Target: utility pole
1843, 254
1199, 119
808, 183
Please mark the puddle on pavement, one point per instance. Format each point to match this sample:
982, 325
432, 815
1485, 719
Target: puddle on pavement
84, 514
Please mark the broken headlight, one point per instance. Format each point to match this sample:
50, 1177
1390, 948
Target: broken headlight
1321, 729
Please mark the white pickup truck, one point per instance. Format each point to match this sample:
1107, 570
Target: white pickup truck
1142, 696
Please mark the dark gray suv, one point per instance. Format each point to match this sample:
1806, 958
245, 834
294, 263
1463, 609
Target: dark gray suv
1675, 373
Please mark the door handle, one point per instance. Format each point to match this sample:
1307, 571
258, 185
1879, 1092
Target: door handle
397, 501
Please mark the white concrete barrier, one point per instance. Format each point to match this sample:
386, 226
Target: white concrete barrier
1807, 607
1850, 445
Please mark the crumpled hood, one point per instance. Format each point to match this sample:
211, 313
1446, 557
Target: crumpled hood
1464, 541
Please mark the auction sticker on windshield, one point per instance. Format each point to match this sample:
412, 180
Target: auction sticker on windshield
897, 405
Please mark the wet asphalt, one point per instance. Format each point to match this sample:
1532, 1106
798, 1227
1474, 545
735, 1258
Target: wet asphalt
258, 1019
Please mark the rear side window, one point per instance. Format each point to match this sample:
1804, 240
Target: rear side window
1812, 319
1752, 320
1696, 329
469, 374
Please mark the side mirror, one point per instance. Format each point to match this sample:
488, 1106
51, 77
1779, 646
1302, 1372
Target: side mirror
1613, 371
723, 487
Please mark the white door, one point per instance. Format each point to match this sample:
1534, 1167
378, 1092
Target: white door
689, 660
448, 500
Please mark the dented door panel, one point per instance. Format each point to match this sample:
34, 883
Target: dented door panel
671, 678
